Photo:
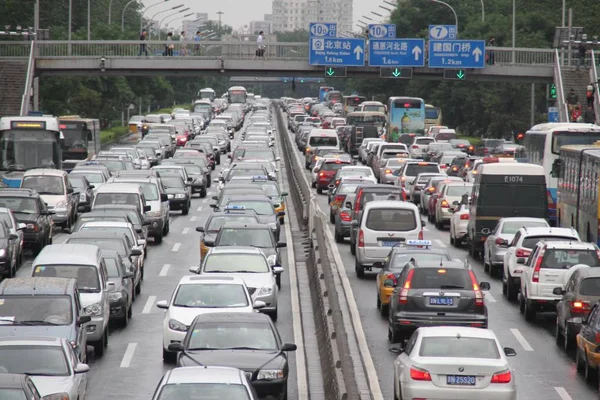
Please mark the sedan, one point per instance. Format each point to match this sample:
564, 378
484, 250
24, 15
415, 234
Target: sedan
453, 362
122, 295
178, 193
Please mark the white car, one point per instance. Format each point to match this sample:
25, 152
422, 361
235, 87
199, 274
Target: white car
453, 363
195, 295
458, 224
50, 362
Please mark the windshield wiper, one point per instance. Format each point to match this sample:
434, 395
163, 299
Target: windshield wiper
36, 322
242, 271
241, 348
5, 319
451, 287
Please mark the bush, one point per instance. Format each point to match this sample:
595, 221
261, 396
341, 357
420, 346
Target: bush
113, 134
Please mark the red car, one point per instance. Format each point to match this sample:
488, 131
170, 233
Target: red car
327, 172
181, 139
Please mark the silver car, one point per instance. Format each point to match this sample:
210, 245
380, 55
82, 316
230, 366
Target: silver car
363, 148
454, 362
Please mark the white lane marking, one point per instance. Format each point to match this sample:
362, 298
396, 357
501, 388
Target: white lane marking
440, 243
185, 231
149, 304
164, 270
425, 229
563, 393
521, 339
128, 356
199, 208
488, 296
204, 200
176, 247
192, 219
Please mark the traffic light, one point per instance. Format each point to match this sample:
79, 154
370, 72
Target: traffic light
552, 92
396, 73
519, 136
455, 74
335, 72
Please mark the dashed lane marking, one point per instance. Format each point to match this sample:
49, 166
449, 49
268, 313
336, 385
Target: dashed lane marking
164, 270
176, 247
204, 200
563, 393
521, 339
489, 297
192, 219
199, 208
185, 231
149, 304
128, 356
440, 243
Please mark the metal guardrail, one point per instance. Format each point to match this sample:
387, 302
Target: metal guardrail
503, 56
26, 99
563, 111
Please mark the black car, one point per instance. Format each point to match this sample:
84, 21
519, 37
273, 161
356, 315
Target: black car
247, 341
438, 293
217, 219
253, 235
8, 256
201, 176
85, 189
264, 209
29, 208
122, 295
178, 192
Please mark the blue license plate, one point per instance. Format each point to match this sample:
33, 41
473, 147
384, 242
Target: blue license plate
441, 301
389, 243
461, 380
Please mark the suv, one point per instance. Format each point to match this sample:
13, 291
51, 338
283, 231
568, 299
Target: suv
546, 269
434, 294
419, 146
407, 175
520, 248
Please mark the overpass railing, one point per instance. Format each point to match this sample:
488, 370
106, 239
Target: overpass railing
26, 99
563, 112
503, 56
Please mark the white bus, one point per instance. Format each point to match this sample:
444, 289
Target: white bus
207, 94
237, 94
542, 146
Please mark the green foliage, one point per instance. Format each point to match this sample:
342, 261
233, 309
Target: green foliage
298, 36
113, 134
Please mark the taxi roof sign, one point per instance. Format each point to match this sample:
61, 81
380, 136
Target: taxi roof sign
418, 242
260, 178
235, 208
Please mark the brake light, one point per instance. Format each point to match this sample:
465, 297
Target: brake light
420, 237
307, 149
393, 278
403, 298
454, 169
538, 265
322, 174
471, 148
522, 253
339, 199
345, 216
499, 241
485, 151
418, 374
414, 146
597, 338
478, 294
461, 145
358, 198
464, 217
502, 377
551, 203
580, 306
431, 189
443, 166
361, 238
444, 204
403, 180
388, 171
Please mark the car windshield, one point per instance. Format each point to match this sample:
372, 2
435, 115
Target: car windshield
269, 188
231, 262
56, 310
355, 172
215, 335
171, 182
86, 276
590, 287
459, 190
33, 360
6, 219
130, 199
347, 188
90, 176
192, 169
163, 171
376, 196
391, 219
333, 166
119, 229
78, 183
459, 347
215, 223
395, 163
44, 184
246, 237
150, 191
566, 258
261, 207
210, 295
104, 244
200, 391
400, 259
531, 241
259, 154
512, 227
438, 278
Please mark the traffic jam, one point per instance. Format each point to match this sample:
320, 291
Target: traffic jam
389, 197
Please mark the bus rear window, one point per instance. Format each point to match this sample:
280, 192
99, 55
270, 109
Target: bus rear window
512, 196
560, 139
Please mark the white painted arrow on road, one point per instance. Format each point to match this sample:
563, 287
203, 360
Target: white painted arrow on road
358, 51
416, 52
477, 53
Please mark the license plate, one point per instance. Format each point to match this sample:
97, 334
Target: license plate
462, 380
388, 243
441, 301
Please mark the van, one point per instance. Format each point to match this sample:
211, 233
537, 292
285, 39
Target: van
444, 135
357, 135
319, 138
56, 191
381, 226
85, 264
504, 190
121, 193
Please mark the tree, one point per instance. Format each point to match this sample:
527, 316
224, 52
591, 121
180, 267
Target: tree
298, 36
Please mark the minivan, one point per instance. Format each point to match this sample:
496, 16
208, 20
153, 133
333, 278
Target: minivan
85, 264
130, 194
319, 138
381, 226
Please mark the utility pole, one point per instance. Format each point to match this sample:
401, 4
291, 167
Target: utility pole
219, 13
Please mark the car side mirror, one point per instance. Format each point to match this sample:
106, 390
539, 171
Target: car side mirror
277, 159
81, 368
175, 347
284, 194
110, 286
84, 319
484, 286
200, 229
354, 223
558, 291
331, 186
147, 208
21, 226
423, 222
141, 242
389, 283
162, 304
509, 352
521, 260
209, 243
281, 213
146, 223
259, 304
130, 273
70, 190
190, 179
280, 245
504, 243
277, 269
12, 236
91, 186
289, 347
194, 269
228, 155
164, 197
215, 197
396, 348
136, 252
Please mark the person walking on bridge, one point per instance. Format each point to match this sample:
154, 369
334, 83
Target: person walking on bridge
260, 50
143, 49
589, 117
572, 100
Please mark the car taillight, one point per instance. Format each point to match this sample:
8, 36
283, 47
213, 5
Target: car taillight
471, 148
345, 216
464, 217
485, 151
538, 265
499, 241
478, 294
418, 374
393, 278
444, 204
414, 146
339, 199
337, 182
420, 236
597, 338
443, 166
502, 377
403, 181
431, 189
388, 171
403, 296
521, 253
361, 238
454, 169
578, 306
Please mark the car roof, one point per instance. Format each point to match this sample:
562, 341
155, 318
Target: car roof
204, 374
226, 279
568, 244
233, 317
545, 230
69, 253
97, 234
117, 224
441, 264
18, 192
252, 198
31, 341
391, 204
237, 225
44, 172
116, 187
445, 331
36, 285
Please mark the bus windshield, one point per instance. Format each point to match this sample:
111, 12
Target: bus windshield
75, 143
353, 101
202, 108
432, 113
237, 96
560, 139
21, 150
207, 94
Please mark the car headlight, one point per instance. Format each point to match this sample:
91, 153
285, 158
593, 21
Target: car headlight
272, 260
265, 291
115, 296
94, 309
31, 226
83, 197
153, 213
177, 326
169, 196
272, 225
180, 196
61, 206
57, 396
269, 374
2, 252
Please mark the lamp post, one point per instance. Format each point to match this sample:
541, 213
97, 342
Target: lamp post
163, 11
385, 8
367, 18
514, 31
377, 14
123, 14
146, 9
177, 19
110, 12
168, 16
89, 16
390, 3
451, 9
482, 11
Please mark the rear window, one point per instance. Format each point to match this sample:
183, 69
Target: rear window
527, 196
333, 166
565, 259
440, 278
416, 169
493, 143
406, 139
530, 241
445, 136
376, 196
590, 287
457, 191
512, 227
323, 141
424, 140
391, 219
459, 347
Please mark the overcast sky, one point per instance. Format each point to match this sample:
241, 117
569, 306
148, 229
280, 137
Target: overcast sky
240, 12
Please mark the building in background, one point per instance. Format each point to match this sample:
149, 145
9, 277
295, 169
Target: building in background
202, 16
291, 15
257, 26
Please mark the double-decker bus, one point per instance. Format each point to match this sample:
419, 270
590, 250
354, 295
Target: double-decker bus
433, 116
323, 90
542, 146
350, 103
207, 93
81, 139
237, 94
405, 115
28, 142
577, 191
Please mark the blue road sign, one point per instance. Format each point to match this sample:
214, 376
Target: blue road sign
442, 32
344, 52
323, 29
396, 52
382, 31
553, 114
457, 54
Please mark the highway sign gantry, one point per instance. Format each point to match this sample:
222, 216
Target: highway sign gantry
335, 72
343, 52
459, 54
442, 32
455, 74
323, 29
396, 73
382, 31
396, 52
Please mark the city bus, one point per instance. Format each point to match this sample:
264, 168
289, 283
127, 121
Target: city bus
28, 142
433, 116
203, 107
81, 139
405, 115
577, 190
367, 118
350, 103
207, 93
323, 90
542, 146
237, 94
333, 97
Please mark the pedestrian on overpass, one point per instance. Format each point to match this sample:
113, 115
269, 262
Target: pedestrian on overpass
143, 37
260, 50
169, 46
572, 99
490, 56
582, 50
589, 117
590, 91
197, 38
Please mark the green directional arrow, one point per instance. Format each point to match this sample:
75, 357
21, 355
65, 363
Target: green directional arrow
460, 74
396, 73
330, 71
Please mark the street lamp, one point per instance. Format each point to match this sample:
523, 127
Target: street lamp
367, 18
386, 9
163, 11
390, 3
451, 9
123, 15
377, 14
146, 9
177, 19
168, 16
482, 11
